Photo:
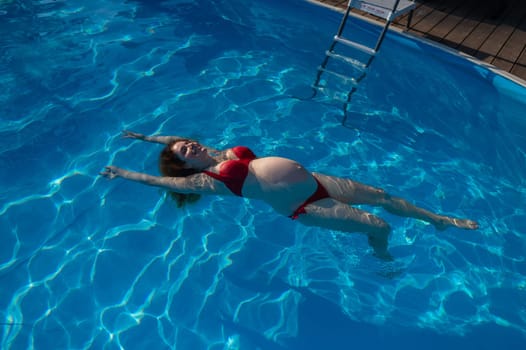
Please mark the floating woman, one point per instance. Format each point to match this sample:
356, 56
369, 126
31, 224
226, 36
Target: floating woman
190, 169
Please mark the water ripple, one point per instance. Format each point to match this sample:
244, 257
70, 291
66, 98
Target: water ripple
87, 263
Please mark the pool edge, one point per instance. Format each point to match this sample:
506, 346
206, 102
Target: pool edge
448, 49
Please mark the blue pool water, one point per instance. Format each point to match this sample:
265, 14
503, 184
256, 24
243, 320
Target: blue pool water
86, 263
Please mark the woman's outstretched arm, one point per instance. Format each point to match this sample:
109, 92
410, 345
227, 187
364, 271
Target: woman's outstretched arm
154, 138
165, 140
197, 183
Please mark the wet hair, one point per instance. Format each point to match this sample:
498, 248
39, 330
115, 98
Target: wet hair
172, 166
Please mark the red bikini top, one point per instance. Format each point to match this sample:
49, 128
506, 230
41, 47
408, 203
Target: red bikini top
234, 172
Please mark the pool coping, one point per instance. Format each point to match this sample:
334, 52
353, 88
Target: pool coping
448, 49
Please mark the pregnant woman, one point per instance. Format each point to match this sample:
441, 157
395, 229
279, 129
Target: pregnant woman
190, 169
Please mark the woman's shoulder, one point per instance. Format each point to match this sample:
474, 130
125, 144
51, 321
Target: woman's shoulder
243, 152
235, 153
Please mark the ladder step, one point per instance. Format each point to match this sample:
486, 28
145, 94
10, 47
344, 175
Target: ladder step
339, 96
355, 63
379, 10
355, 45
345, 78
384, 8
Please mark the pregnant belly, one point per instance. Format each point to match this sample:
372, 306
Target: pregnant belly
277, 171
282, 183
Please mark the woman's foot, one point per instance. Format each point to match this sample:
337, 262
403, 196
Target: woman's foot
379, 244
443, 222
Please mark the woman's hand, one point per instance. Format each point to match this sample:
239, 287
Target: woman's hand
127, 134
111, 172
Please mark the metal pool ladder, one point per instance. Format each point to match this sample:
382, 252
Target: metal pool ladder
354, 62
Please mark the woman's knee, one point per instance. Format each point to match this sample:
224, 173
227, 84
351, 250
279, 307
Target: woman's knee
380, 225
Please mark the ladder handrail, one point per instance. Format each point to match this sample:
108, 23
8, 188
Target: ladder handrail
374, 7
386, 26
341, 27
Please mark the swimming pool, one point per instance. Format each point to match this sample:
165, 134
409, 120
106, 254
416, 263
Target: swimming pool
87, 263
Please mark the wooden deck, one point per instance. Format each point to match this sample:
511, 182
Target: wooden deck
491, 31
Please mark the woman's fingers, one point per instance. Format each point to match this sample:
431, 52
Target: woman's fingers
110, 172
127, 134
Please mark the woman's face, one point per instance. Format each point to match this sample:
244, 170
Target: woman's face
192, 153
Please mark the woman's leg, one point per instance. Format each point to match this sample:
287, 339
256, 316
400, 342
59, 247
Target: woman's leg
353, 192
334, 215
